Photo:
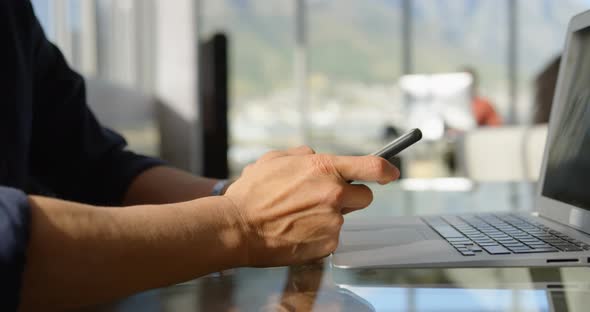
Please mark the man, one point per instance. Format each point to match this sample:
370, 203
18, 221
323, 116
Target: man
483, 110
60, 247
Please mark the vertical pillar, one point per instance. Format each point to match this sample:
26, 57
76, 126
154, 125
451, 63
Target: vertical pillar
301, 68
62, 35
88, 38
196, 137
512, 60
513, 82
407, 42
176, 83
407, 68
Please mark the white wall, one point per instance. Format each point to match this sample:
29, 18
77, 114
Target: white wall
177, 80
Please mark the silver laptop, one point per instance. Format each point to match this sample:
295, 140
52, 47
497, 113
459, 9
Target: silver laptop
557, 234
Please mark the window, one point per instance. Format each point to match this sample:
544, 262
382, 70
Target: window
541, 38
344, 68
448, 36
109, 42
262, 113
355, 57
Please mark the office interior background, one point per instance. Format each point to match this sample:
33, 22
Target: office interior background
325, 73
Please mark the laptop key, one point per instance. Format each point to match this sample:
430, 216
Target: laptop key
565, 244
541, 246
521, 237
515, 249
448, 232
496, 250
489, 244
554, 240
499, 236
530, 240
483, 240
505, 240
462, 241
540, 250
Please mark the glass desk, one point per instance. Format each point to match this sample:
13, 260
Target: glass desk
318, 287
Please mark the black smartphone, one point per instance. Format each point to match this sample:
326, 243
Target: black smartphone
398, 145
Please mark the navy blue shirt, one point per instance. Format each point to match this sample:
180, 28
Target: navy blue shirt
50, 142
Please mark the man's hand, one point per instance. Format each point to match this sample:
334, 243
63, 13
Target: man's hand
285, 209
291, 203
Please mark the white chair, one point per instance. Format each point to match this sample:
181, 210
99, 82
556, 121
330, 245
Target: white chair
535, 138
502, 154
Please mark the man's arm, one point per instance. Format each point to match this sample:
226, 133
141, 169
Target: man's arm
81, 254
70, 154
163, 185
285, 209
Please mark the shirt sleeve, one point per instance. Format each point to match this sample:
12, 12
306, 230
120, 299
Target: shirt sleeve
14, 236
71, 153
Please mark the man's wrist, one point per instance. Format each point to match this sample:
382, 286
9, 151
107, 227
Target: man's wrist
236, 233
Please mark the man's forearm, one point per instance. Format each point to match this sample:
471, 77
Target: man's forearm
81, 254
162, 185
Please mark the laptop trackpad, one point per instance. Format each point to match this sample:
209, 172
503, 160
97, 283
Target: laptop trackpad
371, 239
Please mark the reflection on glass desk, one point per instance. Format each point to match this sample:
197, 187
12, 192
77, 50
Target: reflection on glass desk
447, 196
319, 287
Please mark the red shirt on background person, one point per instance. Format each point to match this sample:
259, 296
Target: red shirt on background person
484, 113
483, 110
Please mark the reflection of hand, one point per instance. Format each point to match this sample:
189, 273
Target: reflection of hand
301, 289
289, 204
302, 293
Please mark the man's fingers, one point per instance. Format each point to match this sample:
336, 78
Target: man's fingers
365, 168
356, 196
295, 151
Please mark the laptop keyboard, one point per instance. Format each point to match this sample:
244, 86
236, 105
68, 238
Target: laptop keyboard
501, 235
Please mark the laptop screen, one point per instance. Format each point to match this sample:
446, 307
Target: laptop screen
567, 176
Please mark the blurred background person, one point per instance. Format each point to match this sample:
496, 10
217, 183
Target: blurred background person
483, 110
